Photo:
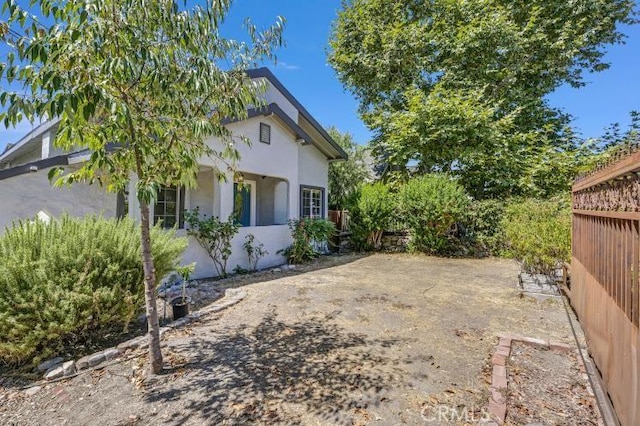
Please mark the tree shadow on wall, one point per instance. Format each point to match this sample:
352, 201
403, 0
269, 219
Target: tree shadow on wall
279, 372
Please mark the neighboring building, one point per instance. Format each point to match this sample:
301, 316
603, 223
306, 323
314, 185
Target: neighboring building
285, 171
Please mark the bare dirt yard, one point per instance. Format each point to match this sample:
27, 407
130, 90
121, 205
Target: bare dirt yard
380, 339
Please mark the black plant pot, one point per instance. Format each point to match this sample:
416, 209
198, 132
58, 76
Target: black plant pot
180, 310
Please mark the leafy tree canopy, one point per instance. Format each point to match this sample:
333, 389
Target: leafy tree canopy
460, 86
155, 78
346, 176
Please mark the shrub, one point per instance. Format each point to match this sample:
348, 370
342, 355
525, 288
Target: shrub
430, 206
72, 278
255, 251
482, 227
214, 236
538, 233
371, 211
308, 235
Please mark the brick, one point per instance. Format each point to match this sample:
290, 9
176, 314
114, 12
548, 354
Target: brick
560, 347
503, 350
498, 396
534, 342
499, 411
505, 341
499, 382
498, 359
499, 370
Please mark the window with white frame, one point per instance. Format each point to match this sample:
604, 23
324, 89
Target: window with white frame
169, 207
311, 202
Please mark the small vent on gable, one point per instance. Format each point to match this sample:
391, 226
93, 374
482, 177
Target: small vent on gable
265, 133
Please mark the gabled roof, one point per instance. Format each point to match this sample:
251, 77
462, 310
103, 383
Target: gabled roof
267, 74
324, 143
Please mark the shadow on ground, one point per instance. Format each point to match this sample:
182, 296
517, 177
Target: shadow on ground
280, 372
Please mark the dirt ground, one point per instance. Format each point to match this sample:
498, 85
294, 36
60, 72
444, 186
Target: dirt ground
384, 339
561, 398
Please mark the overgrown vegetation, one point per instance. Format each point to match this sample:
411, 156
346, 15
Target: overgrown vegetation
441, 218
73, 278
213, 235
538, 233
429, 207
345, 177
309, 236
372, 210
481, 232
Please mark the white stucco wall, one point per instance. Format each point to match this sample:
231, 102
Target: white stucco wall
23, 196
313, 171
273, 95
274, 238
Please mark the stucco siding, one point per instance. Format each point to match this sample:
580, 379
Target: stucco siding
23, 196
273, 95
274, 239
313, 170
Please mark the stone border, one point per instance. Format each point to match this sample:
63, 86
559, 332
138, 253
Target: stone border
498, 389
58, 370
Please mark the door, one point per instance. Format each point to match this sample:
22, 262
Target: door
242, 204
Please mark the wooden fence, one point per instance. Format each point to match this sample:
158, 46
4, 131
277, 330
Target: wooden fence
604, 277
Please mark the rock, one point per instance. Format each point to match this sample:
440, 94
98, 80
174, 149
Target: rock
111, 353
276, 270
54, 373
90, 361
69, 368
132, 343
50, 363
33, 390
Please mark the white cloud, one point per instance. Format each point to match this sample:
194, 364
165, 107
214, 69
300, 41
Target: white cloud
288, 67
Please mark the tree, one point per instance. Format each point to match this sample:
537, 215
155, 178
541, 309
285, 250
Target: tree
346, 176
460, 86
144, 75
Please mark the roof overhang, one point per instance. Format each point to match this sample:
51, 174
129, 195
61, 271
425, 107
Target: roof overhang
29, 137
330, 148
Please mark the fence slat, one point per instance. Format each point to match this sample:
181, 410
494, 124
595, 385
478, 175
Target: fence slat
605, 278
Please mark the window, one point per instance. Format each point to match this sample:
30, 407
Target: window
122, 204
265, 133
311, 202
169, 208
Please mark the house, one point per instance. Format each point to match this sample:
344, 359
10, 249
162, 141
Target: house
285, 172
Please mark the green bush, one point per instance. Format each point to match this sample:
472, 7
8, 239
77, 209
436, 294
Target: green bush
482, 227
213, 235
429, 207
72, 278
538, 233
371, 212
308, 235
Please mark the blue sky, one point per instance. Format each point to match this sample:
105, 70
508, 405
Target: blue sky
302, 67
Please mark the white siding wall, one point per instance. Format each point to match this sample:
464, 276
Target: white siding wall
23, 196
313, 171
273, 95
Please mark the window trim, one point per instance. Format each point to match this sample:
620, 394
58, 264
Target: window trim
266, 128
322, 200
180, 207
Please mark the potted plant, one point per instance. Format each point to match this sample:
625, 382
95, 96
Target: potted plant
180, 305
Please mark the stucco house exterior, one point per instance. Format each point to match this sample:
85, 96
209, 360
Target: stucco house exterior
285, 171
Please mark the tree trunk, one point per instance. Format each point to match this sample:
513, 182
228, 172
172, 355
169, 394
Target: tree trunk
155, 355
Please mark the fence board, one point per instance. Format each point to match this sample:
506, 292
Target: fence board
605, 282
